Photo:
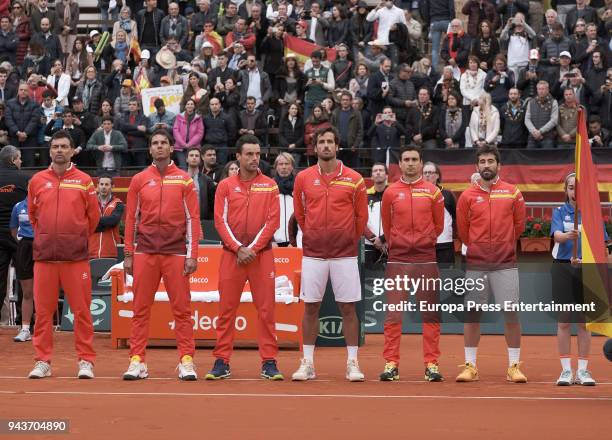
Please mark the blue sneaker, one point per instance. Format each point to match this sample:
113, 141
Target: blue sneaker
220, 370
270, 371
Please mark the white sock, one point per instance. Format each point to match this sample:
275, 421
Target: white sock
352, 352
309, 352
582, 363
514, 356
470, 354
25, 327
566, 363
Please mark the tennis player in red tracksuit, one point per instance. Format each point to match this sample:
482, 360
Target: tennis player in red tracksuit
247, 214
103, 242
490, 219
63, 210
412, 218
331, 207
162, 230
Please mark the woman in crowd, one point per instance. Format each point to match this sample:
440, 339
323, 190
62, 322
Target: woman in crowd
90, 90
484, 122
316, 121
338, 30
445, 246
291, 133
121, 105
472, 83
230, 99
486, 46
446, 85
121, 47
77, 62
358, 86
453, 123
230, 169
284, 176
21, 26
289, 84
126, 24
196, 90
106, 111
188, 132
385, 135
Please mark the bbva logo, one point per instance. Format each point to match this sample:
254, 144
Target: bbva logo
330, 327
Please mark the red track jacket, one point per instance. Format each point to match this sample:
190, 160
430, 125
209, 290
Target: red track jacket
163, 215
489, 223
412, 218
104, 244
331, 211
247, 212
63, 212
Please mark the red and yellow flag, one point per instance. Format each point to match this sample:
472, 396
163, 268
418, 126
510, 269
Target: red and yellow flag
594, 253
135, 50
216, 40
302, 49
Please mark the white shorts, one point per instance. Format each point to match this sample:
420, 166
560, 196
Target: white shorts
344, 275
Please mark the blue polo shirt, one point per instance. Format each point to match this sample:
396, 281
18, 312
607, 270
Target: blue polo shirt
21, 220
563, 221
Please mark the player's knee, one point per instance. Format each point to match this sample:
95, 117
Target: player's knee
563, 326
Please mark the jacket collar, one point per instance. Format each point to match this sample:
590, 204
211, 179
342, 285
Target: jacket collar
339, 168
413, 182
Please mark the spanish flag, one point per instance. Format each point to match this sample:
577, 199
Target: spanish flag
596, 282
302, 49
216, 40
135, 50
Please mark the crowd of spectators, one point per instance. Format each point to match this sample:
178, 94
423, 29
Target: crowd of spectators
436, 73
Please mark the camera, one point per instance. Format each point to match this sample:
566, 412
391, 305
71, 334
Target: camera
306, 15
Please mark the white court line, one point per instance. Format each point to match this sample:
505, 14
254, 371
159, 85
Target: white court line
325, 396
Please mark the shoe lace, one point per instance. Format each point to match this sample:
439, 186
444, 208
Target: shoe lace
42, 365
84, 364
188, 366
390, 366
585, 374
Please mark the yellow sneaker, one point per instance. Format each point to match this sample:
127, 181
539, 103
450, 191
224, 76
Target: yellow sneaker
515, 374
468, 374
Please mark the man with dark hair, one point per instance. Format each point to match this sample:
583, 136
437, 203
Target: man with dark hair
148, 21
218, 130
490, 219
103, 242
107, 145
83, 119
598, 137
319, 82
375, 245
247, 214
330, 246
7, 90
22, 118
378, 87
412, 217
8, 40
204, 184
161, 241
423, 120
161, 118
210, 167
133, 126
253, 121
63, 211
349, 124
14, 188
512, 118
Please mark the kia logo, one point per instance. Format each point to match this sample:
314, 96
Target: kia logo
330, 327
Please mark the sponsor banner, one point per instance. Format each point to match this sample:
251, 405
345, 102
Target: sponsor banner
171, 95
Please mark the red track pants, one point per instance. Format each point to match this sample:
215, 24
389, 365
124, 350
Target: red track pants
232, 277
431, 320
75, 279
149, 269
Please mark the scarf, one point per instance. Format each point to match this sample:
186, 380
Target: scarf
454, 118
363, 84
121, 50
126, 24
285, 184
89, 84
67, 14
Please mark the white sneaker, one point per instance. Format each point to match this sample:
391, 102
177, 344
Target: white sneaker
305, 372
583, 377
85, 370
136, 370
187, 369
41, 369
565, 379
23, 335
353, 373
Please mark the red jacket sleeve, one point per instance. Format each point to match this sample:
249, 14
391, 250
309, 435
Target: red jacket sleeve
32, 206
130, 216
93, 211
361, 207
519, 214
270, 226
298, 203
463, 220
385, 213
438, 211
221, 224
192, 218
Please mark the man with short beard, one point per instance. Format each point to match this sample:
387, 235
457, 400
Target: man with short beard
490, 219
512, 119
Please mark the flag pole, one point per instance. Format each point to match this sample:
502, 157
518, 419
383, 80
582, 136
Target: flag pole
576, 160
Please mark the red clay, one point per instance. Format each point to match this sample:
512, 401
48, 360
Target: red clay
245, 407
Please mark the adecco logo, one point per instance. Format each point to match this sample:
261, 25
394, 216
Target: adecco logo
205, 322
330, 327
198, 280
281, 260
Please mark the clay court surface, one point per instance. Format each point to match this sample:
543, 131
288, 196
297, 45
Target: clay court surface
246, 407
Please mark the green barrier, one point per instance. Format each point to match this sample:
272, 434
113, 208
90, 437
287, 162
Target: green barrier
100, 314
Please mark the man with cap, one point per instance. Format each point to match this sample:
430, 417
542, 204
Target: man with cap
160, 118
206, 60
529, 77
144, 75
375, 56
558, 74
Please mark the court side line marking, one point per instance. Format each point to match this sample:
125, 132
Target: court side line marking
278, 395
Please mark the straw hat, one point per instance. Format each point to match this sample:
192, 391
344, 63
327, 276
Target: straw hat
166, 59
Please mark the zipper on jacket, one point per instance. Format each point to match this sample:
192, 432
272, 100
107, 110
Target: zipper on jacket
161, 197
57, 191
